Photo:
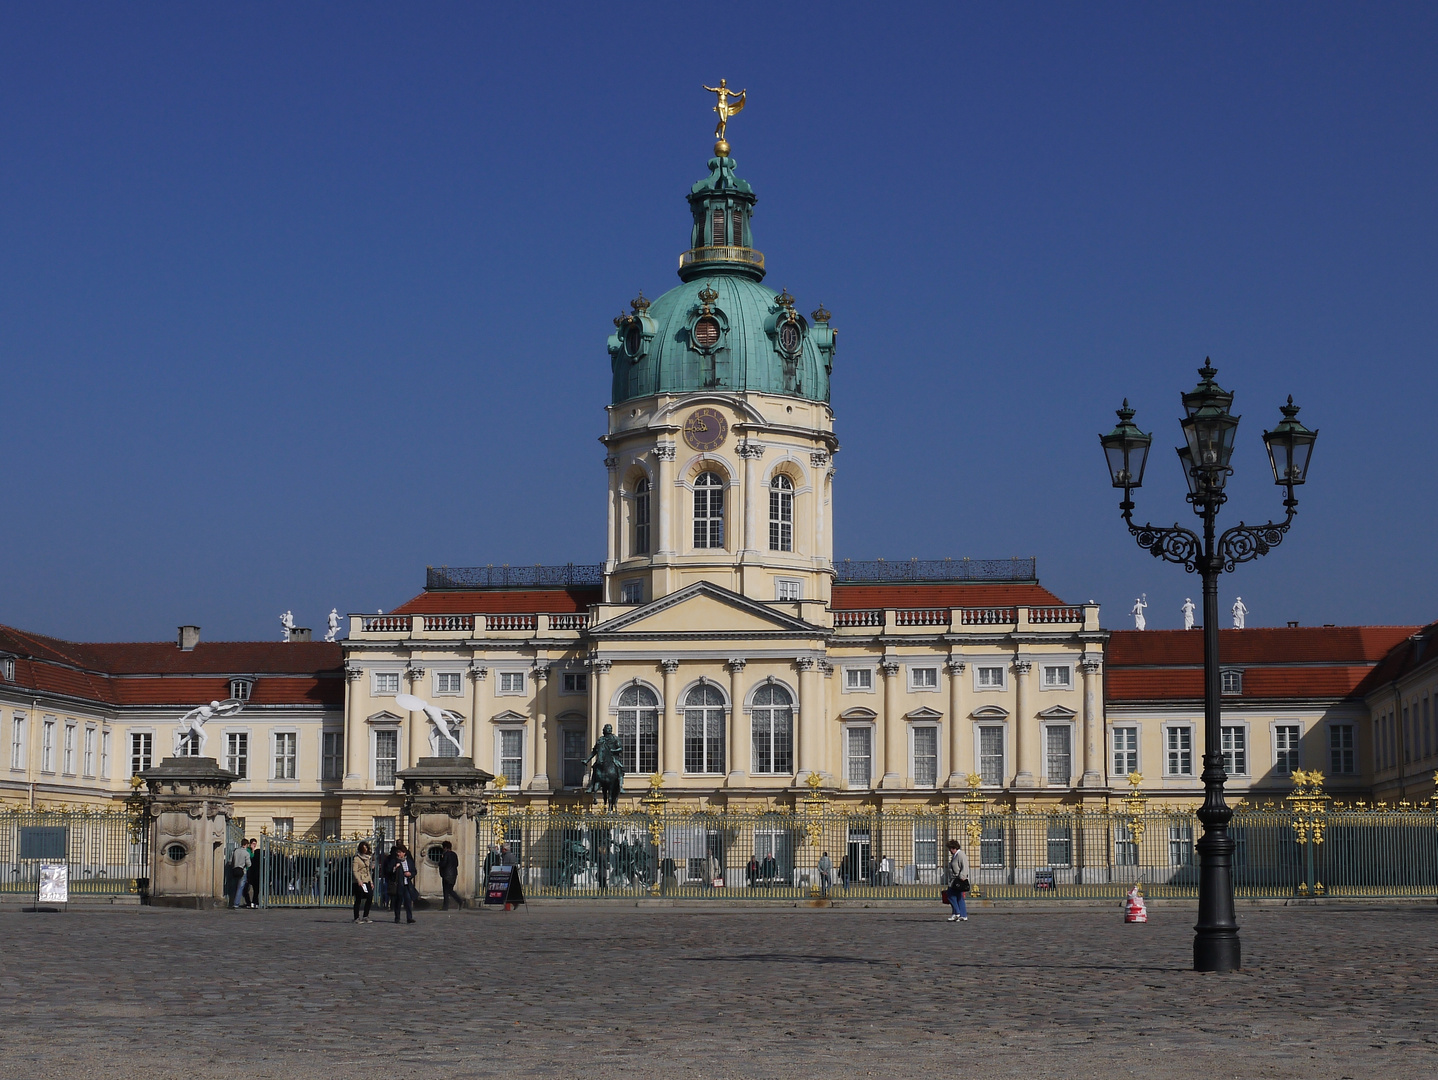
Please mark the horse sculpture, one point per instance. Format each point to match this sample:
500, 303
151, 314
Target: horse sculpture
606, 777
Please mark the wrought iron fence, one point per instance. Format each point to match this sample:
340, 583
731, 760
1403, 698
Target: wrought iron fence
902, 854
104, 853
849, 571
307, 873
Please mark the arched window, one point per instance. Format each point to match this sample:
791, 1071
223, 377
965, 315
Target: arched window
641, 517
639, 730
772, 721
781, 514
704, 730
709, 511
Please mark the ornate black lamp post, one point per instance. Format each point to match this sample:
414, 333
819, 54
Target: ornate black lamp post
1209, 431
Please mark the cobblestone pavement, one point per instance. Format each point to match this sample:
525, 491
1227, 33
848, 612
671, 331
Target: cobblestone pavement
160, 994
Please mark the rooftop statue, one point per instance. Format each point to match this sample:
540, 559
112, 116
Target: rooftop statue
1240, 610
1188, 613
726, 108
1139, 622
334, 629
287, 621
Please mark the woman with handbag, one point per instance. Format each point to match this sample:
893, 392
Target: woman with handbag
958, 882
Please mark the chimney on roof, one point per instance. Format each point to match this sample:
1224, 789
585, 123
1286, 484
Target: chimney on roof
189, 638
301, 633
1293, 624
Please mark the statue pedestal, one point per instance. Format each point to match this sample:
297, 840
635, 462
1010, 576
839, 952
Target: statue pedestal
187, 811
444, 797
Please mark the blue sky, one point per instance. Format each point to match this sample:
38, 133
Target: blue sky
294, 303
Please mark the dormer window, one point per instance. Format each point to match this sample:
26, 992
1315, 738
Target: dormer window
7, 669
240, 689
1232, 680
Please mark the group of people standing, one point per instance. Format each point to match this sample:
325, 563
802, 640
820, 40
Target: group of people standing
243, 887
394, 878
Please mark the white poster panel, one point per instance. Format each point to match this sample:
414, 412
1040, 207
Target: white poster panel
54, 883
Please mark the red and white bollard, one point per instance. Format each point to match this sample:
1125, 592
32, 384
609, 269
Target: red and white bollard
1135, 910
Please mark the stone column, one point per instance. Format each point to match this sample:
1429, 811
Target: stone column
810, 718
826, 669
893, 734
417, 737
611, 463
751, 453
540, 750
601, 698
443, 797
478, 747
665, 493
961, 743
738, 775
1092, 728
355, 742
1026, 733
187, 809
671, 738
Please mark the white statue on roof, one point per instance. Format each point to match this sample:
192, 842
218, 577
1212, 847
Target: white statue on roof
1239, 611
190, 732
287, 620
334, 624
1139, 622
1188, 613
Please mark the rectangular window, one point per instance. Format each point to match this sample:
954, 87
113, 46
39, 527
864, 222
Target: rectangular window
641, 518
1232, 682
1285, 749
1057, 677
17, 742
7, 669
332, 754
104, 755
286, 750
511, 682
284, 827
386, 756
188, 745
1059, 746
574, 755
237, 753
511, 755
47, 746
89, 758
858, 678
1125, 751
709, 511
329, 828
859, 752
923, 678
990, 678
991, 844
926, 756
575, 682
1125, 847
1180, 845
141, 743
1178, 759
1060, 841
1235, 750
386, 682
448, 682
926, 843
991, 755
240, 689
69, 750
789, 589
781, 515
383, 828
631, 592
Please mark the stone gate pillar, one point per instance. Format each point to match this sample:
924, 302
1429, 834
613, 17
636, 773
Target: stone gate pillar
444, 797
187, 809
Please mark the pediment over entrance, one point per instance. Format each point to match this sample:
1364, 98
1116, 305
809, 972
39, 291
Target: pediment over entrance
704, 609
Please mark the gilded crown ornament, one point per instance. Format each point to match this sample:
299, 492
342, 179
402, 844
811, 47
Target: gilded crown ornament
639, 304
729, 103
821, 314
784, 300
707, 296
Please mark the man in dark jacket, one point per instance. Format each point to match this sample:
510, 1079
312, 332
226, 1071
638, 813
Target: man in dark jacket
400, 867
448, 874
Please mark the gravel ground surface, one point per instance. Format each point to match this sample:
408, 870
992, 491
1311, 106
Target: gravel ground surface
609, 992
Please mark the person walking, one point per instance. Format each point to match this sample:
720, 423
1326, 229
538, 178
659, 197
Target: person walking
826, 874
252, 876
958, 882
362, 870
448, 875
239, 872
400, 878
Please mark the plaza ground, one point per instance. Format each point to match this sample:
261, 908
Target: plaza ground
595, 991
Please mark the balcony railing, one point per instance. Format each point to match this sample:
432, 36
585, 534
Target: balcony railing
989, 616
449, 622
511, 622
385, 624
577, 621
921, 617
1055, 614
747, 256
859, 618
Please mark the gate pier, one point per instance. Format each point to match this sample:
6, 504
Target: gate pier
444, 797
187, 810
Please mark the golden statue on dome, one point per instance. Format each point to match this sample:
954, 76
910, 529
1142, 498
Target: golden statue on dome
730, 102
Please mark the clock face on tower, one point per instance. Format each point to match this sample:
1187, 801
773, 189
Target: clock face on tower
706, 429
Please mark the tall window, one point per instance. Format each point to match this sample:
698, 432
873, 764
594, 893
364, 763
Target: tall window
511, 755
859, 755
386, 756
1341, 758
574, 755
716, 227
89, 758
1125, 847
284, 827
237, 753
926, 842
641, 517
286, 750
1235, 750
105, 755
1060, 841
1125, 750
781, 514
1285, 749
69, 750
926, 755
736, 221
189, 745
991, 843
1407, 738
1180, 845
772, 722
709, 511
383, 828
638, 730
141, 744
704, 730
17, 742
47, 747
332, 754
991, 754
1060, 754
1178, 758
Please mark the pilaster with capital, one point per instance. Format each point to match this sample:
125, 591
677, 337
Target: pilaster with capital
417, 743
961, 743
479, 709
671, 743
810, 720
1026, 732
540, 672
893, 740
599, 669
1092, 733
355, 740
750, 452
666, 492
738, 775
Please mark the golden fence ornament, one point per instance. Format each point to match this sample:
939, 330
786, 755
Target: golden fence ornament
1310, 806
499, 807
1137, 803
973, 801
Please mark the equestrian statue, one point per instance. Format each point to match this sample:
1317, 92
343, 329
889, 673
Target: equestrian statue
607, 775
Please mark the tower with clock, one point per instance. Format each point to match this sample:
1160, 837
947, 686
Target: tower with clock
720, 438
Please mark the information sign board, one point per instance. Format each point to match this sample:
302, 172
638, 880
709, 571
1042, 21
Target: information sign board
54, 883
43, 842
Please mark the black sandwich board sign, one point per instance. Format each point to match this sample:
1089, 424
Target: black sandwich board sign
503, 887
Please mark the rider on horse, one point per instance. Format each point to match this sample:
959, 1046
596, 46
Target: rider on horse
607, 775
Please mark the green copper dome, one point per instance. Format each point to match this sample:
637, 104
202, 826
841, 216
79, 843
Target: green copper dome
721, 329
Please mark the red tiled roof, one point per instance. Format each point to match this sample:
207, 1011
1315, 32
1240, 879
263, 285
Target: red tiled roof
500, 602
978, 594
1418, 648
218, 657
268, 690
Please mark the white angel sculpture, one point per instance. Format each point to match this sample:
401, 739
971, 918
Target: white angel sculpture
193, 724
443, 720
